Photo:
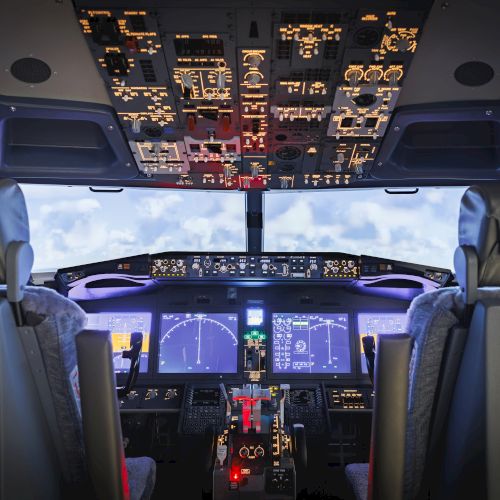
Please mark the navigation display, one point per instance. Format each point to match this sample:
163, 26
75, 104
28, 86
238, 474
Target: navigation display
198, 343
378, 323
121, 326
313, 343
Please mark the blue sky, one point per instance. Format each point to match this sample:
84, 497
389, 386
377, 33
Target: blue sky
72, 225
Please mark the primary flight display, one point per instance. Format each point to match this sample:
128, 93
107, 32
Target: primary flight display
198, 343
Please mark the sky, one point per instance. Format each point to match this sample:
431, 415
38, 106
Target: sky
72, 225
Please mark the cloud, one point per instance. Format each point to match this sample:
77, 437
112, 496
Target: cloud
72, 226
418, 228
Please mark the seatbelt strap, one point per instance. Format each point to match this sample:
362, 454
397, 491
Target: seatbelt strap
35, 361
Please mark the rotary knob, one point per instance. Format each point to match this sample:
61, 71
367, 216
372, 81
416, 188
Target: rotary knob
259, 452
255, 60
353, 77
253, 78
244, 452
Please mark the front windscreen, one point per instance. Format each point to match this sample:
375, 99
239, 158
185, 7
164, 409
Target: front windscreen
311, 343
73, 225
121, 326
198, 343
378, 323
419, 227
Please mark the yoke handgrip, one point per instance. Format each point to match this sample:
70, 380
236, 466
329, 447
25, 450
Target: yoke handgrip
369, 349
134, 354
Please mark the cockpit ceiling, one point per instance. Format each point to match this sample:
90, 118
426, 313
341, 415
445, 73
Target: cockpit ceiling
250, 95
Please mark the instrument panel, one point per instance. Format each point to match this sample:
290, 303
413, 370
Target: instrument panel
238, 97
252, 334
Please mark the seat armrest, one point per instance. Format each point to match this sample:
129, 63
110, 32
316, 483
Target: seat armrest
387, 453
100, 415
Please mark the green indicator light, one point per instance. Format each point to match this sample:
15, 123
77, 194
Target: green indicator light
255, 335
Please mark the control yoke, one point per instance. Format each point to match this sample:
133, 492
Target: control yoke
369, 348
134, 354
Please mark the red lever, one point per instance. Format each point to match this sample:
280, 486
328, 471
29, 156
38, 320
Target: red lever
191, 122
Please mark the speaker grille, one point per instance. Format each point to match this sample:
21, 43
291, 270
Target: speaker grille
30, 70
474, 73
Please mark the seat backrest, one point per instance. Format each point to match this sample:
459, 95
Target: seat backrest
471, 457
52, 323
437, 321
28, 459
431, 317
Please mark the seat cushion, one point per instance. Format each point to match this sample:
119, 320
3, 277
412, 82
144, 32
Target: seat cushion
357, 475
141, 477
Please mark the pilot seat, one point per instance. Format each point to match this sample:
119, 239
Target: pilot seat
44, 437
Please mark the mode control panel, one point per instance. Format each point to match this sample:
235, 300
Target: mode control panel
289, 267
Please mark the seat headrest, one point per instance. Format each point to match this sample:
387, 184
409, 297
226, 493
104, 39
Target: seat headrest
477, 260
16, 256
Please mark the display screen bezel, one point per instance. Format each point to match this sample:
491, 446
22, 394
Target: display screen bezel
272, 375
357, 347
122, 373
199, 374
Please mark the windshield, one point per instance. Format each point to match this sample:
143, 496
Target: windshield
73, 225
419, 228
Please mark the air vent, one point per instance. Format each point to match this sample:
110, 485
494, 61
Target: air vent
148, 71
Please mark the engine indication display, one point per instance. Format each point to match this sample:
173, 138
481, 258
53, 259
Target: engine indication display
312, 343
378, 324
121, 326
198, 343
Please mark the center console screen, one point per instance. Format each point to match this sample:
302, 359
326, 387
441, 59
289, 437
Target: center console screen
378, 323
121, 326
313, 343
198, 343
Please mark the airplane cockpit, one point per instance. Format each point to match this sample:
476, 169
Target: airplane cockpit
249, 250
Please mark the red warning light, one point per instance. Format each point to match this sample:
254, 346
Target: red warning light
235, 474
